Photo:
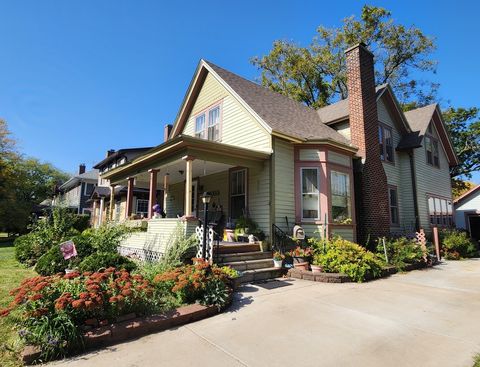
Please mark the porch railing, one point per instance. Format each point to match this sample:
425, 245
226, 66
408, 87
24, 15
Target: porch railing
281, 241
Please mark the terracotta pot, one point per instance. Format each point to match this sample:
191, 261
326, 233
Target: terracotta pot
277, 263
316, 269
301, 266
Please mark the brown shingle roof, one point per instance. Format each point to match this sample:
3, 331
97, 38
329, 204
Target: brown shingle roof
282, 114
419, 118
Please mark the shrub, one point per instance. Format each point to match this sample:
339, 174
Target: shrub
82, 222
189, 283
402, 252
103, 260
342, 256
107, 238
53, 262
45, 233
457, 245
52, 310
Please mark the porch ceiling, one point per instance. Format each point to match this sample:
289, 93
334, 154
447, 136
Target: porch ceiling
218, 156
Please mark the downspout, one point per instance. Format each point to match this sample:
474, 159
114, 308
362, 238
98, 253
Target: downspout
414, 189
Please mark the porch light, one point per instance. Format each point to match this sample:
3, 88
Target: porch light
206, 198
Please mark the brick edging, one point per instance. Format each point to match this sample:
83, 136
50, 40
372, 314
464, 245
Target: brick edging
137, 327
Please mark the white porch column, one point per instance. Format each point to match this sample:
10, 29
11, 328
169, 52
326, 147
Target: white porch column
93, 219
100, 215
188, 184
166, 183
152, 194
130, 187
112, 203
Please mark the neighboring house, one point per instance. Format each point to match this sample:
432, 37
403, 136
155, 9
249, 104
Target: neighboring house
360, 167
75, 192
101, 208
467, 212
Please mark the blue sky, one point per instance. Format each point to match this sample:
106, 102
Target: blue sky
80, 77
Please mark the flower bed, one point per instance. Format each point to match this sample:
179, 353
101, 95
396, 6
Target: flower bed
54, 312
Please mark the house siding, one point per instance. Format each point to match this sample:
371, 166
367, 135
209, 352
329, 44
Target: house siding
431, 180
284, 175
259, 196
238, 126
398, 175
468, 205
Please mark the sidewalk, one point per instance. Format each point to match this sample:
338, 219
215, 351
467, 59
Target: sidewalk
423, 318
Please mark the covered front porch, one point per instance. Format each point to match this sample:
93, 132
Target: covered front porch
176, 173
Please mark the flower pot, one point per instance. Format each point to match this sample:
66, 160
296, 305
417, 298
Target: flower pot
301, 266
316, 268
299, 260
277, 263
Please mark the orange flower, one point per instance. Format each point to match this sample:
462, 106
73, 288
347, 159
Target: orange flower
89, 304
112, 299
4, 312
127, 292
79, 303
36, 297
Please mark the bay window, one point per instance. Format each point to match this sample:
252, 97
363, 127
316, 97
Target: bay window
340, 197
310, 193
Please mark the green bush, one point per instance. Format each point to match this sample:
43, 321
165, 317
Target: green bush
101, 260
53, 262
342, 256
45, 233
456, 245
82, 222
107, 238
401, 252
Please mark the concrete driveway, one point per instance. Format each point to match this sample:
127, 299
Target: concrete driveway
423, 318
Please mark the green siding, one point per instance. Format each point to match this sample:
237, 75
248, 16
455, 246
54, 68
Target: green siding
239, 127
431, 180
284, 173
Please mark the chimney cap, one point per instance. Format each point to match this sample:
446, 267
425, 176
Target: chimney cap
358, 45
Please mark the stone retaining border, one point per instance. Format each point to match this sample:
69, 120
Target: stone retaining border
134, 328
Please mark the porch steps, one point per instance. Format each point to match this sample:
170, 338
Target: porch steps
235, 248
254, 265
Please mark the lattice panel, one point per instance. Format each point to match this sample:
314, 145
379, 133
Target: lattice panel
199, 233
140, 254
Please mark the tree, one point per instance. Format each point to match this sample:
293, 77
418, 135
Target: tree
24, 182
460, 187
463, 125
316, 75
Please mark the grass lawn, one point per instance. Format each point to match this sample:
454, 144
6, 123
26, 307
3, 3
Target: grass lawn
476, 362
11, 274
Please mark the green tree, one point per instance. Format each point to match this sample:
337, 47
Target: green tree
24, 182
316, 74
463, 124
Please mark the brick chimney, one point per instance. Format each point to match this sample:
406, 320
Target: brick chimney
371, 189
81, 168
166, 132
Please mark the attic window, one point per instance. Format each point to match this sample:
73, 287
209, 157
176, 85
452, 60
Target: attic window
385, 139
207, 124
431, 148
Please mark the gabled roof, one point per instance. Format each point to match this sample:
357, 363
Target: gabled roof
467, 194
339, 111
91, 175
276, 112
419, 119
119, 153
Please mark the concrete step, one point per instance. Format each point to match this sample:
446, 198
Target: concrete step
236, 248
256, 275
243, 256
250, 264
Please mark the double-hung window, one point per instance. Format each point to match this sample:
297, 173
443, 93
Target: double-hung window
385, 139
207, 124
310, 193
340, 191
142, 207
432, 152
393, 201
238, 193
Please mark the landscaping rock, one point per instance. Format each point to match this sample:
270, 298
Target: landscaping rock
30, 354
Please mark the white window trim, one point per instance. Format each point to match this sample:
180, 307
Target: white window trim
85, 188
206, 119
301, 194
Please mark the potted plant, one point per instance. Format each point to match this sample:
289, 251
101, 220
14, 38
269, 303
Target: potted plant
316, 266
278, 259
301, 257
